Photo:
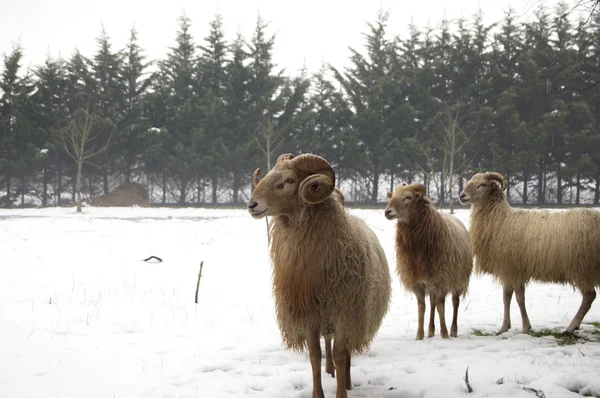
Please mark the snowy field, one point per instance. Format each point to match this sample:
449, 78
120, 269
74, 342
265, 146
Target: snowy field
81, 315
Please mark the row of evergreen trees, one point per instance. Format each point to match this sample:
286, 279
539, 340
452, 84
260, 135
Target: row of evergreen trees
437, 105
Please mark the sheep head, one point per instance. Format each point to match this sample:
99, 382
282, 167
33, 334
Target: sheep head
404, 200
482, 187
294, 180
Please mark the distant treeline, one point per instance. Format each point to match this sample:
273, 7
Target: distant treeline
435, 105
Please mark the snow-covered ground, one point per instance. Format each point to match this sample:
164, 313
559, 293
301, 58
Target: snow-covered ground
81, 315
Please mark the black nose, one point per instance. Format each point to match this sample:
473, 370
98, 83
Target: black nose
387, 212
462, 195
252, 204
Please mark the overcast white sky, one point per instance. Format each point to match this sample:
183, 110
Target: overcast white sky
307, 31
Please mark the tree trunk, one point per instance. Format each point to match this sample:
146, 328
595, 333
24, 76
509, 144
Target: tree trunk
507, 187
525, 184
461, 185
105, 180
164, 187
541, 183
442, 189
182, 193
74, 182
214, 188
198, 185
236, 187
577, 190
128, 173
23, 188
8, 189
559, 191
392, 182
375, 190
45, 187
78, 185
59, 185
597, 189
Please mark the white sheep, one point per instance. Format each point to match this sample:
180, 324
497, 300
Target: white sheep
330, 273
433, 254
517, 246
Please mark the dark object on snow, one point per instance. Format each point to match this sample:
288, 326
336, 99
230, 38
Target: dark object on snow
153, 257
469, 389
131, 194
198, 283
500, 381
537, 393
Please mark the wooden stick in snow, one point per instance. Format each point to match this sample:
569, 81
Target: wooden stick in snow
198, 283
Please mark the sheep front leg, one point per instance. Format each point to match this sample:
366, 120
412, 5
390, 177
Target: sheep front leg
588, 298
314, 351
520, 296
420, 293
329, 367
507, 297
455, 304
441, 307
341, 359
431, 331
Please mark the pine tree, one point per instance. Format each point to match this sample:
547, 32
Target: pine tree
51, 116
238, 143
110, 89
368, 85
213, 78
17, 147
134, 122
182, 137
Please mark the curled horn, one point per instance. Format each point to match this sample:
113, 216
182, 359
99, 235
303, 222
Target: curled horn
313, 164
420, 189
316, 188
321, 181
497, 177
256, 176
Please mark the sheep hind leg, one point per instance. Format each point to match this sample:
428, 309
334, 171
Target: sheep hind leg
340, 357
455, 304
329, 366
431, 331
441, 308
420, 293
520, 296
507, 297
586, 303
348, 375
314, 352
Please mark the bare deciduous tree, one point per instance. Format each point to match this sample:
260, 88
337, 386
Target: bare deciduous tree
272, 141
80, 141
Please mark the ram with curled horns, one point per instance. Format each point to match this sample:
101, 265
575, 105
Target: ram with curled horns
330, 273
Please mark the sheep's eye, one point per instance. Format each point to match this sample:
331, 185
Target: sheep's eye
408, 198
290, 181
481, 185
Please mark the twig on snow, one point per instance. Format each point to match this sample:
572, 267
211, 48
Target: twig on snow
537, 393
153, 257
466, 379
198, 283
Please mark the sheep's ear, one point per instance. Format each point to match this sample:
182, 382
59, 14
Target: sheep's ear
389, 195
420, 190
256, 176
315, 188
